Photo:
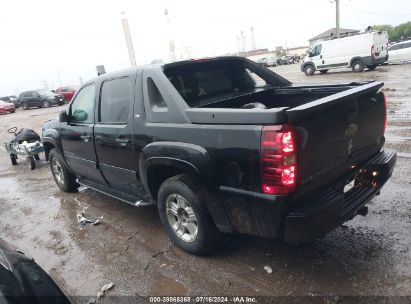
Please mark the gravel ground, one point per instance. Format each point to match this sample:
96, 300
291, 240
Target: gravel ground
367, 256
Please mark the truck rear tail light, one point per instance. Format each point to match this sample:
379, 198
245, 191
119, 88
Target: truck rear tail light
373, 52
278, 160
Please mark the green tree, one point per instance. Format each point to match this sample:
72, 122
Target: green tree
398, 32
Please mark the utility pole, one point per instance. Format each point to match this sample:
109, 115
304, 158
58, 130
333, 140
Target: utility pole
242, 41
253, 45
129, 43
337, 18
238, 45
171, 45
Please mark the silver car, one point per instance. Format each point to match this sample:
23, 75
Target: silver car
400, 52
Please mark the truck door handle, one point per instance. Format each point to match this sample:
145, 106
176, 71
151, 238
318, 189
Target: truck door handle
85, 137
122, 140
321, 56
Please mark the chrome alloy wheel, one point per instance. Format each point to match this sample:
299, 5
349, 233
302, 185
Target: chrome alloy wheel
181, 218
57, 171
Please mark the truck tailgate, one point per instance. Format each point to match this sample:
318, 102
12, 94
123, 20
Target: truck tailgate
337, 132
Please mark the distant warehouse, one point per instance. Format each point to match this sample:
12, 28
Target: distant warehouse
332, 34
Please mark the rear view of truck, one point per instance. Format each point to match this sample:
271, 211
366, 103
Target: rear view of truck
321, 158
379, 49
331, 161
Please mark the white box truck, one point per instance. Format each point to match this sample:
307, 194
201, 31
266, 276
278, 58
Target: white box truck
355, 52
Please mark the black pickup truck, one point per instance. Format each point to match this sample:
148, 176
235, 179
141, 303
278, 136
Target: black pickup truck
223, 145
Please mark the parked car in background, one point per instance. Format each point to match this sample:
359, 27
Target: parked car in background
400, 52
289, 59
23, 281
296, 58
68, 92
11, 99
40, 98
271, 61
262, 62
7, 107
285, 60
355, 52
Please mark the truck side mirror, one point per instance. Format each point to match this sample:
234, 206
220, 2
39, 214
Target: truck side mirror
63, 117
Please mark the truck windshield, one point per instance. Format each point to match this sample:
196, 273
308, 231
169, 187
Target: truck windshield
204, 82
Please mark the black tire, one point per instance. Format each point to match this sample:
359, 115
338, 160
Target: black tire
25, 106
371, 67
357, 66
13, 159
309, 69
46, 104
64, 179
207, 235
36, 157
323, 71
30, 161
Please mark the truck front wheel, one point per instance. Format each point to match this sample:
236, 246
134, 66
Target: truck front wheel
63, 178
309, 70
182, 209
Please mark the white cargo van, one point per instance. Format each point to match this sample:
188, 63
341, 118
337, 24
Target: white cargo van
355, 52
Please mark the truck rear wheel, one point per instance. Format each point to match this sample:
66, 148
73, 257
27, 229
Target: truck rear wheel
65, 180
309, 69
182, 210
357, 66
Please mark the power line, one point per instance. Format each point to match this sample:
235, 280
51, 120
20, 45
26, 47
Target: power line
279, 12
376, 13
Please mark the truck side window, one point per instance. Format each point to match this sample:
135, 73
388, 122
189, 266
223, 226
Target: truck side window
115, 101
81, 109
253, 79
156, 100
316, 51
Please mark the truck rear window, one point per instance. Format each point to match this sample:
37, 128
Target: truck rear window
201, 83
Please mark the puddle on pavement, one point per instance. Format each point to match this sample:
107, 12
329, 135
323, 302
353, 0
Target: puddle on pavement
44, 233
404, 154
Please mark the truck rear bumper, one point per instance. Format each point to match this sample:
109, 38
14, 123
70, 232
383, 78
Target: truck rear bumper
326, 210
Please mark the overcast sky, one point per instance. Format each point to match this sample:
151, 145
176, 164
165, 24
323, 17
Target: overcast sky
58, 41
